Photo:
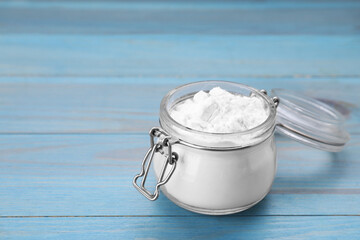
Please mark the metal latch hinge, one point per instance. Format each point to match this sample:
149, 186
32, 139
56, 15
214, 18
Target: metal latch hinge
163, 146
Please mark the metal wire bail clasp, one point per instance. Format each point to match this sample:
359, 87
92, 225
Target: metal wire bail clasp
171, 157
275, 99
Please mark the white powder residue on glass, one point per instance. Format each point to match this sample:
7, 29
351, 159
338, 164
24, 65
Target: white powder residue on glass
219, 111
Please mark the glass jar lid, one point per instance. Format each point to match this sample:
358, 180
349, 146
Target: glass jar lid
310, 121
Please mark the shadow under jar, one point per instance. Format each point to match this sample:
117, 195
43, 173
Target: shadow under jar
212, 173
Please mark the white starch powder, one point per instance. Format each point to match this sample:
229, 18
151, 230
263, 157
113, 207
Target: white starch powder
220, 111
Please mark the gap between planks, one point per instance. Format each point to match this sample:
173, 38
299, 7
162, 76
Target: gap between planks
75, 133
222, 76
91, 133
187, 216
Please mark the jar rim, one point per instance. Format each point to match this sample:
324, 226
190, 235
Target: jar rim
263, 127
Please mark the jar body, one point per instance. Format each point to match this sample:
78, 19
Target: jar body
211, 173
220, 182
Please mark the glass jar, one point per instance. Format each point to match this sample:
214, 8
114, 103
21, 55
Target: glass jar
212, 173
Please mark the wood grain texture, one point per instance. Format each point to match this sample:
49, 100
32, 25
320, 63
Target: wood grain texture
97, 105
180, 18
182, 227
91, 175
186, 56
81, 83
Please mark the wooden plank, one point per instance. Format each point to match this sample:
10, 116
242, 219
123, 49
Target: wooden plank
186, 56
91, 175
182, 228
181, 4
128, 105
180, 18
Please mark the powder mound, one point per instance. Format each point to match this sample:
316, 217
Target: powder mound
219, 111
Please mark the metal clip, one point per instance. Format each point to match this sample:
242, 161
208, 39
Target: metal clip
276, 100
171, 158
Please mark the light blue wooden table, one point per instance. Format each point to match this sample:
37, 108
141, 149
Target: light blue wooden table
81, 83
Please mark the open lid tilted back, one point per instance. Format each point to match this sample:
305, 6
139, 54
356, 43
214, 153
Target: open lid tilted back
310, 121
